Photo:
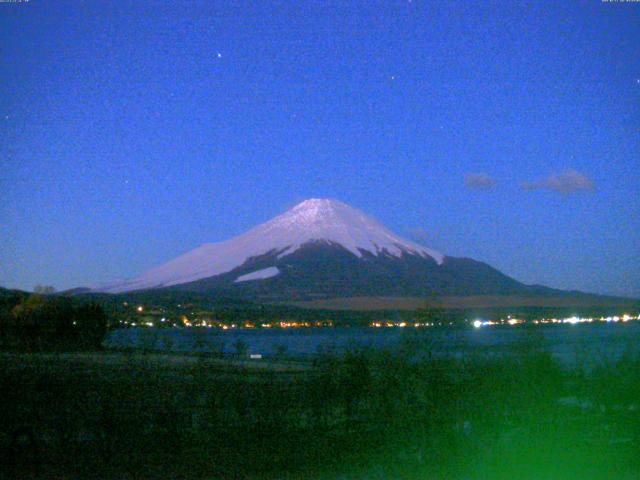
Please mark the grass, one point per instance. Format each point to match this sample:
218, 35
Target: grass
363, 415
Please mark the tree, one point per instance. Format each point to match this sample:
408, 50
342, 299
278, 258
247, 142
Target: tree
92, 324
44, 289
281, 350
27, 307
431, 311
40, 320
241, 348
355, 379
55, 320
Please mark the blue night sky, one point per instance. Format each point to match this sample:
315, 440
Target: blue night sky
131, 132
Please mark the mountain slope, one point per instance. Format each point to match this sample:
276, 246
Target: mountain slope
324, 270
312, 220
321, 249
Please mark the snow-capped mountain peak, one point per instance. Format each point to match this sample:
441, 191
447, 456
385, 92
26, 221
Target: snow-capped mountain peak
320, 219
313, 220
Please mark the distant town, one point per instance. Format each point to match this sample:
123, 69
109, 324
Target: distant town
144, 316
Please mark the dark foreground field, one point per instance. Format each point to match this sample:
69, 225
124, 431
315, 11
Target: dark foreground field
366, 415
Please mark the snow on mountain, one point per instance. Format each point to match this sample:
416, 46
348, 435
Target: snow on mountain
312, 220
258, 275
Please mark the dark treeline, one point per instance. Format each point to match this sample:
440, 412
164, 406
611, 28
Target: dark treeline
365, 414
41, 322
174, 303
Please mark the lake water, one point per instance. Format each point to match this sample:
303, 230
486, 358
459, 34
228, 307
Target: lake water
589, 342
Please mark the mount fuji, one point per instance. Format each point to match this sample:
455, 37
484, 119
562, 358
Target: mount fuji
322, 248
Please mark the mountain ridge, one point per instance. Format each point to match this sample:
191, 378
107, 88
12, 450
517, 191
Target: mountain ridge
320, 270
324, 248
311, 220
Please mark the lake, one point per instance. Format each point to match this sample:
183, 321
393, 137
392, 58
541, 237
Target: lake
569, 343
